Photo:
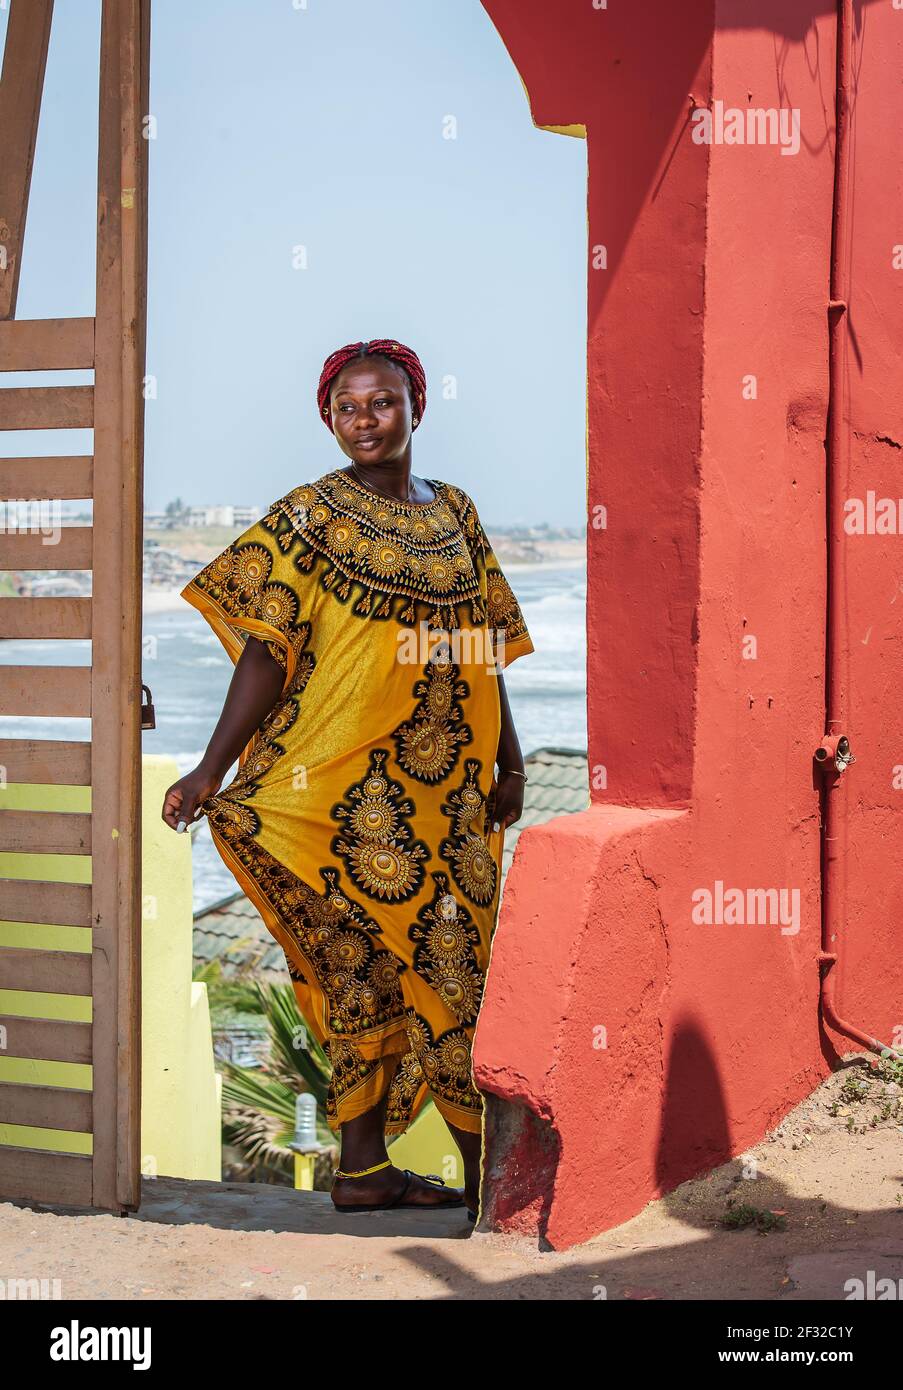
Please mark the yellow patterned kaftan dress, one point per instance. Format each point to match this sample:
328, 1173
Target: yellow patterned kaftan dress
357, 821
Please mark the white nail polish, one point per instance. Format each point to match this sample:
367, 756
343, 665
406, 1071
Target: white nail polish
181, 826
496, 827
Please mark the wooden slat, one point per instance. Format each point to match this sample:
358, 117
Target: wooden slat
45, 832
46, 345
47, 1039
45, 618
52, 904
69, 548
59, 475
47, 1107
46, 407
46, 691
42, 1175
21, 87
45, 972
37, 619
46, 762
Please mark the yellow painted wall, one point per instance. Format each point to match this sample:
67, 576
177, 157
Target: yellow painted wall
181, 1133
427, 1147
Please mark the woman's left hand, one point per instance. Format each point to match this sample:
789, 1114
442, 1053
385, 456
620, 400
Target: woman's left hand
505, 802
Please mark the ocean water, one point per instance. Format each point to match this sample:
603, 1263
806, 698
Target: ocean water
188, 672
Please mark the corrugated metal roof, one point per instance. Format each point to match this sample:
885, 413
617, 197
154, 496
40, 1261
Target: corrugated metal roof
232, 930
558, 785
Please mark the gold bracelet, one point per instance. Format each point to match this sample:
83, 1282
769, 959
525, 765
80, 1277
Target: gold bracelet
514, 772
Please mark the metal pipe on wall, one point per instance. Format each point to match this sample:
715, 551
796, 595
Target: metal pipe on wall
834, 756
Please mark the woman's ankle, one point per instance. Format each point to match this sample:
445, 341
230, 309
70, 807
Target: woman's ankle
365, 1165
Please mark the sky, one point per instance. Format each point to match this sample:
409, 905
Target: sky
304, 194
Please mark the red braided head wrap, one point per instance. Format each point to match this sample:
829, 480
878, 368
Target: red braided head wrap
402, 356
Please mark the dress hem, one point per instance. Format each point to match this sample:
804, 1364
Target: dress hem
522, 646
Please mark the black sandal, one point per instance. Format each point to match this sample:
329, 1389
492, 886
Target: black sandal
398, 1199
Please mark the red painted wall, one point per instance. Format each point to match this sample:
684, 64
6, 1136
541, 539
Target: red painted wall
718, 259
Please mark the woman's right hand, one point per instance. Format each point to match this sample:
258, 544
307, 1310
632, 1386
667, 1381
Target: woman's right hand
181, 802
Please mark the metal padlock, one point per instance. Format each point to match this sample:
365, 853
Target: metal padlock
148, 718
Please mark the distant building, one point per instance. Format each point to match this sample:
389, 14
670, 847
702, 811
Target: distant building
239, 518
223, 514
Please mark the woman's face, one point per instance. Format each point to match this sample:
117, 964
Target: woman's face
371, 411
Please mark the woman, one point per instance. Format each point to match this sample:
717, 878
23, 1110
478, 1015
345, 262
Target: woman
369, 620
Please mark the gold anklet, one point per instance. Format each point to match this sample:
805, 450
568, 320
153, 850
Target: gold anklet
364, 1171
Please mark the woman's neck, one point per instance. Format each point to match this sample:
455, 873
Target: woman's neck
394, 481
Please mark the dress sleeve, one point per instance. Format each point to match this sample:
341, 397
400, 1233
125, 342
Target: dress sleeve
253, 588
508, 632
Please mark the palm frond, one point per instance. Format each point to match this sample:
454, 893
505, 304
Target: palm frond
255, 1088
259, 1102
295, 1051
261, 1145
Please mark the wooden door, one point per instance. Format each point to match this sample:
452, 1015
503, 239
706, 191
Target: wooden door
91, 1156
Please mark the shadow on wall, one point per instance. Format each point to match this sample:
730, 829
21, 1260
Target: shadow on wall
694, 1123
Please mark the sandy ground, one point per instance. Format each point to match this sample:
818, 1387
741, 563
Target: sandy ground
840, 1194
